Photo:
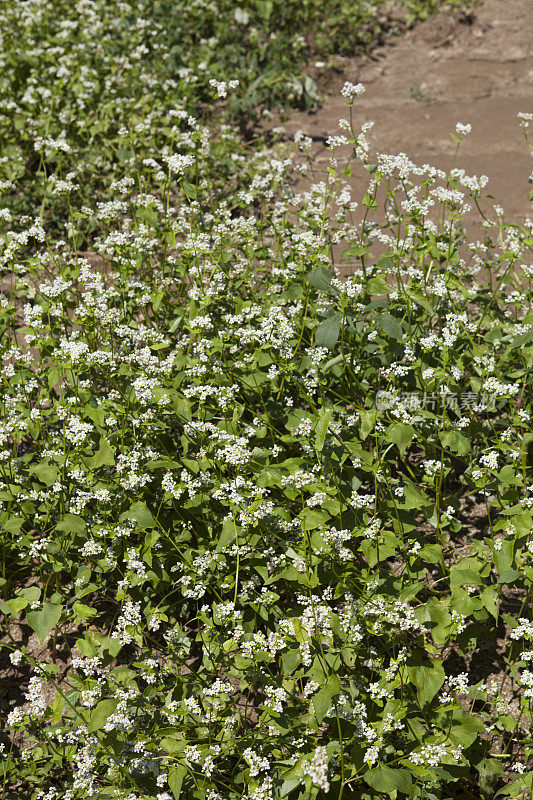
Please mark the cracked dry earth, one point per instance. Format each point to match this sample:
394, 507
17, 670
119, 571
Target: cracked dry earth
446, 70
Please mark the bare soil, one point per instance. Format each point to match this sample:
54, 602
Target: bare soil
451, 68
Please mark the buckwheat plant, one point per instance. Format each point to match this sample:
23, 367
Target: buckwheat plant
228, 569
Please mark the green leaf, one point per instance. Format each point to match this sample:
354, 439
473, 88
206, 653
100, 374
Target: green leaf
53, 377
507, 477
13, 525
101, 714
455, 441
320, 278
390, 326
176, 775
378, 286
489, 598
172, 745
368, 422
104, 455
322, 699
189, 189
490, 770
515, 788
384, 260
321, 429
46, 473
460, 576
388, 780
440, 617
333, 362
327, 333
369, 201
503, 558
428, 681
31, 593
140, 513
432, 553
420, 300
265, 8
82, 611
414, 497
14, 605
56, 707
254, 379
467, 730
355, 250
288, 785
312, 518
401, 433
509, 576
42, 620
71, 523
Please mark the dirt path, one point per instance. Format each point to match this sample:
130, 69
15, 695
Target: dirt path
444, 71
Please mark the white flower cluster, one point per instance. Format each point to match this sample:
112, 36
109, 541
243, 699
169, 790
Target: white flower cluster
352, 90
490, 460
256, 762
317, 769
524, 118
298, 479
431, 467
221, 87
524, 629
431, 755
37, 704
130, 618
463, 129
276, 698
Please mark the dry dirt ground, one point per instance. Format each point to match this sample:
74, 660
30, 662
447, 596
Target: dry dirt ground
449, 69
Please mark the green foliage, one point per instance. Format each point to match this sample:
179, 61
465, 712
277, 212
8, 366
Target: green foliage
242, 479
238, 553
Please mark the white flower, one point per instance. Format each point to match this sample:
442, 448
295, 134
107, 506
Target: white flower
16, 657
256, 762
352, 90
463, 130
524, 119
317, 769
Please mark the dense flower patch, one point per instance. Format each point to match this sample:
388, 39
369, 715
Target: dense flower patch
236, 485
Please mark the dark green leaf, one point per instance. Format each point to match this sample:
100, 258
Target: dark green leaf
368, 422
104, 455
46, 473
71, 523
322, 699
321, 429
